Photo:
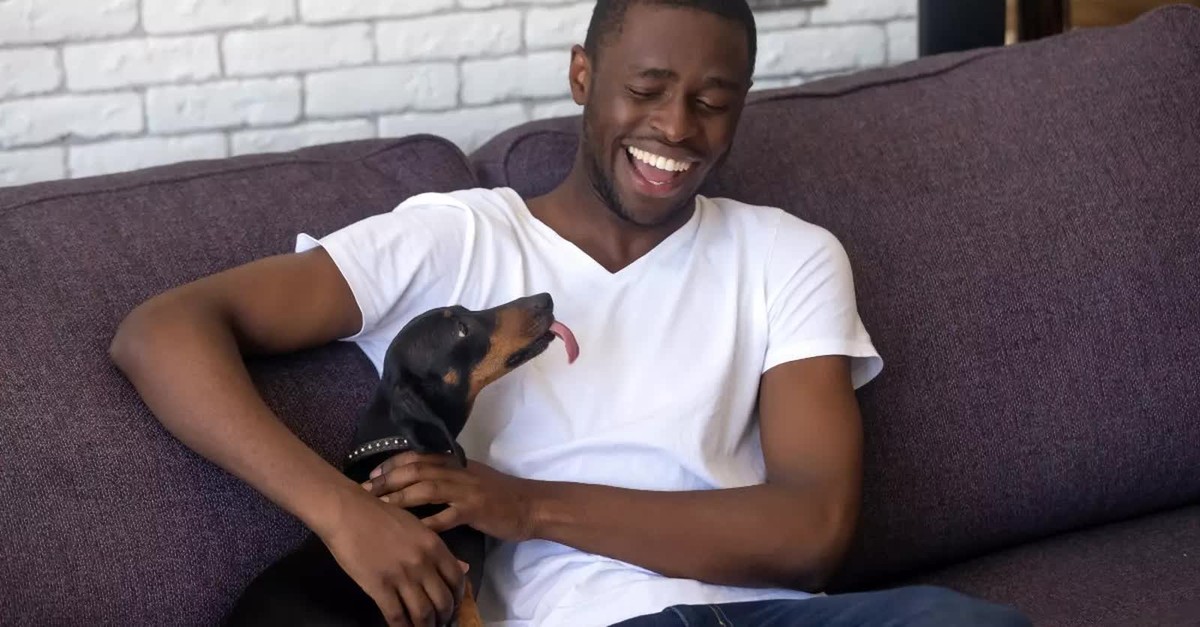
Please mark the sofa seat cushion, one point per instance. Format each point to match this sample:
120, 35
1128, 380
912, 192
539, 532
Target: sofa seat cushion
1139, 572
106, 518
1021, 223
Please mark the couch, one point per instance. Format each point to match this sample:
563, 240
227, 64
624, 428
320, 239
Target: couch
1024, 228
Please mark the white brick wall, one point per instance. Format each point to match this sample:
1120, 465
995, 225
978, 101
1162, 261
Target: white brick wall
92, 87
226, 104
137, 62
28, 71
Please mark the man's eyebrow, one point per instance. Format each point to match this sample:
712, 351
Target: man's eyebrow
657, 73
723, 83
664, 74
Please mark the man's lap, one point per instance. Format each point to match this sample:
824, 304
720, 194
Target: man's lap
916, 606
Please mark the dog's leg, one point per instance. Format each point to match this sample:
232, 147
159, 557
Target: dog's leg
468, 611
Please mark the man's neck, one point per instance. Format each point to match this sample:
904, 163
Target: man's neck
579, 215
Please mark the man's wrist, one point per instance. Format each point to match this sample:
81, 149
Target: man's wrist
549, 509
326, 513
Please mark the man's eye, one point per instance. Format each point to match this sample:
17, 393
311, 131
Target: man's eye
713, 107
640, 94
463, 331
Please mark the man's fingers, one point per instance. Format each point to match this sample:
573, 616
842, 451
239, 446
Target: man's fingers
390, 606
453, 573
409, 457
425, 493
404, 476
421, 612
444, 520
444, 597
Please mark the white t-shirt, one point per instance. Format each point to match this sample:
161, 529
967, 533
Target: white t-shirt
662, 397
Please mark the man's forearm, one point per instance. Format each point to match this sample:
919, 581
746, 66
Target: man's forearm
189, 371
756, 536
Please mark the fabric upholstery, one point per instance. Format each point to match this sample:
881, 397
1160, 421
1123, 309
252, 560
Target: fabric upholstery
1140, 572
106, 518
1022, 225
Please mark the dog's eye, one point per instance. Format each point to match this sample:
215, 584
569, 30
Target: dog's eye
463, 331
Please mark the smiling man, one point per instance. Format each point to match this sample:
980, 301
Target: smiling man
698, 464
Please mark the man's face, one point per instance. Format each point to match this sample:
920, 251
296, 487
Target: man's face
662, 101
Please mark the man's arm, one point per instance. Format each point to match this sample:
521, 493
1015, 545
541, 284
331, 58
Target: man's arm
791, 531
183, 351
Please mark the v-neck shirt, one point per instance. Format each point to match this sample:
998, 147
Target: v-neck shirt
663, 394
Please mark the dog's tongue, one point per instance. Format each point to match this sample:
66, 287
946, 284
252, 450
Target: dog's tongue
563, 333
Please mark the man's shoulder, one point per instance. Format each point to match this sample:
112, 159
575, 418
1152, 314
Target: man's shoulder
479, 201
463, 213
769, 223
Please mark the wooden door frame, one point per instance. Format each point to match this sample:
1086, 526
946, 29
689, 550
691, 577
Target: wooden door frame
954, 25
1042, 18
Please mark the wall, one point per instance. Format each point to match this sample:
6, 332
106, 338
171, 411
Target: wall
90, 87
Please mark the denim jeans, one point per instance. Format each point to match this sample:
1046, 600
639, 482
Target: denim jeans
916, 606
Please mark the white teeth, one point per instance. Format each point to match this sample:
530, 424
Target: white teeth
662, 163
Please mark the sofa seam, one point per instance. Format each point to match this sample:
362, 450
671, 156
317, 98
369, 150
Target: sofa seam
464, 161
969, 59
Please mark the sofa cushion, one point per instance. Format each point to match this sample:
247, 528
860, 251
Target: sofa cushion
107, 519
1140, 572
1022, 226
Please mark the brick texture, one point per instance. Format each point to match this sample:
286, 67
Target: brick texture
135, 62
182, 16
296, 49
97, 86
58, 118
225, 104
132, 154
32, 166
52, 21
28, 71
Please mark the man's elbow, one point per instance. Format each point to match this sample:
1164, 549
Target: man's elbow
807, 573
813, 576
129, 341
134, 341
814, 556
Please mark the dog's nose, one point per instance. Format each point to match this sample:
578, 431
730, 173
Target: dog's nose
542, 302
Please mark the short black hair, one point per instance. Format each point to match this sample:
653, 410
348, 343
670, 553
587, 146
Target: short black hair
609, 15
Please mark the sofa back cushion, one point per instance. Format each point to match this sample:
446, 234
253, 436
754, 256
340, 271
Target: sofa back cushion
107, 519
1022, 223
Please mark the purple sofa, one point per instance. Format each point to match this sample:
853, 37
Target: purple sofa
1024, 226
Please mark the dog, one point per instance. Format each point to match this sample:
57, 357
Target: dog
432, 372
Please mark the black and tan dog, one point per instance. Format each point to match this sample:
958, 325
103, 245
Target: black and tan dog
433, 370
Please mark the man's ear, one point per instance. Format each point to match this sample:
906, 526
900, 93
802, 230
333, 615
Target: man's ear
425, 430
580, 75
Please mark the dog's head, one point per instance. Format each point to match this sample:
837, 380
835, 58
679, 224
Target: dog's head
440, 361
450, 354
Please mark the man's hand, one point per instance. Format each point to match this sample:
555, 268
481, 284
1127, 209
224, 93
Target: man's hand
402, 565
485, 499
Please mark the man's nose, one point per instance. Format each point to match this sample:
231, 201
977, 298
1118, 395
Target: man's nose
675, 120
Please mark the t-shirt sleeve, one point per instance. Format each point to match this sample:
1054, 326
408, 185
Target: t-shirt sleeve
401, 263
811, 305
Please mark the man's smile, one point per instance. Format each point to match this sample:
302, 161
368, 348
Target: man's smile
656, 175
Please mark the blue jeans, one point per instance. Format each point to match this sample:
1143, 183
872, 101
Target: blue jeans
917, 606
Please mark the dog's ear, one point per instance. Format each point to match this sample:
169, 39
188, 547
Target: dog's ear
412, 416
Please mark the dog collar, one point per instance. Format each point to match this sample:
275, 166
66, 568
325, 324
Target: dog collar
378, 446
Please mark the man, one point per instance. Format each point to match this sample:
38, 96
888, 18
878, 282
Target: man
700, 462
